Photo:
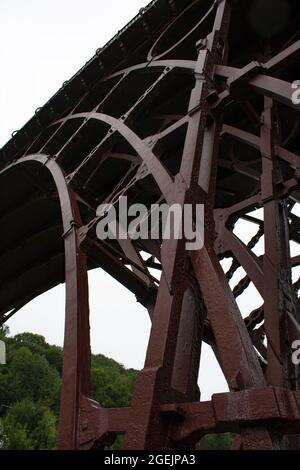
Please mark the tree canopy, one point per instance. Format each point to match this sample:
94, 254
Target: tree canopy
30, 392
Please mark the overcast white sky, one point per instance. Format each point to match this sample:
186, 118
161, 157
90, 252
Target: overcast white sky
42, 44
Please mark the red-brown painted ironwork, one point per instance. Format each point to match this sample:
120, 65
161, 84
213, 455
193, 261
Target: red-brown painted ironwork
189, 91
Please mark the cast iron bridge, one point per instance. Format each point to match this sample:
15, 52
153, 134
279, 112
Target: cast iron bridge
190, 103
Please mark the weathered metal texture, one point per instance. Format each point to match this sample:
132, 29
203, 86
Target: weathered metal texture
205, 105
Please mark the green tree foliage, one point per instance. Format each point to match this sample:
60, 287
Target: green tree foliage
30, 390
4, 331
219, 441
30, 426
111, 387
38, 345
32, 376
30, 393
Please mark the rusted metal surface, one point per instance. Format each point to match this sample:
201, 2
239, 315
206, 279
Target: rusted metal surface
205, 105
